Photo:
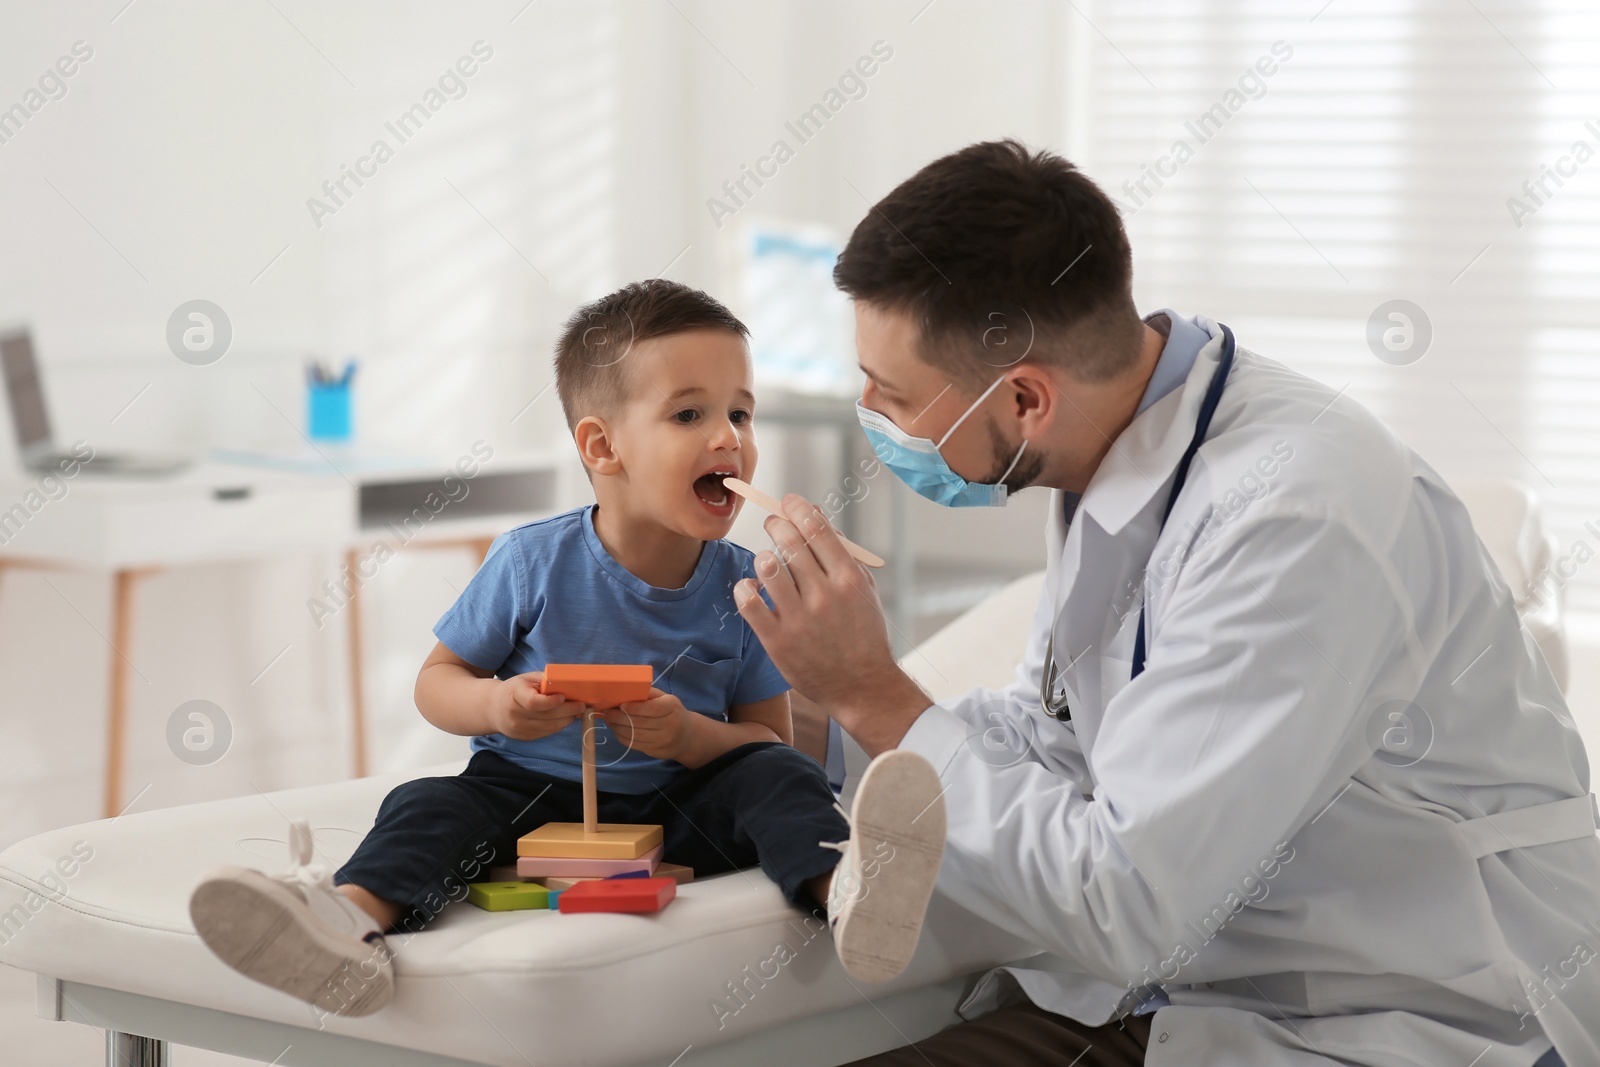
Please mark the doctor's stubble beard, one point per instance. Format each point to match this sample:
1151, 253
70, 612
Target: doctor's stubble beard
1027, 470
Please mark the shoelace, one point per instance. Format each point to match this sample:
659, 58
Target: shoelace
841, 847
838, 846
301, 853
317, 876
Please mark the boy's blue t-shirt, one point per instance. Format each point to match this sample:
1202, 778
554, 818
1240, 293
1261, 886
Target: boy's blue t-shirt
549, 592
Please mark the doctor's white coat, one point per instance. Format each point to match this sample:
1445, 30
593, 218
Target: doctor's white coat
1343, 814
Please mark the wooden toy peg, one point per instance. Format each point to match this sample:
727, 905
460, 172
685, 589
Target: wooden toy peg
591, 803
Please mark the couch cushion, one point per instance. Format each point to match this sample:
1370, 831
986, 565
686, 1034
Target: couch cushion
106, 903
981, 648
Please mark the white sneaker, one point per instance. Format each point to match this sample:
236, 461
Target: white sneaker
881, 887
296, 932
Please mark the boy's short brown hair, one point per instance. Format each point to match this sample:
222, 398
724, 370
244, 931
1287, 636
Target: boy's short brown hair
591, 360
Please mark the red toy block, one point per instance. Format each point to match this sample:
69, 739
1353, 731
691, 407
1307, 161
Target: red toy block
599, 685
619, 894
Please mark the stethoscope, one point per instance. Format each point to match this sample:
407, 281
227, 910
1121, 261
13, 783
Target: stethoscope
1057, 706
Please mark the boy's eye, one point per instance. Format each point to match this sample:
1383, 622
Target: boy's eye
687, 415
741, 416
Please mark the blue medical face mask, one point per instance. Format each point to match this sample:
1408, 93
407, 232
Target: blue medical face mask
917, 461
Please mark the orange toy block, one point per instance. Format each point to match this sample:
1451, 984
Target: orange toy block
599, 685
610, 841
678, 873
618, 894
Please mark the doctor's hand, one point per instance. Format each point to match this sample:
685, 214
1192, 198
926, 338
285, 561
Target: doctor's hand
826, 630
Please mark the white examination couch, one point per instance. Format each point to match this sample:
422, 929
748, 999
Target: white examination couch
701, 984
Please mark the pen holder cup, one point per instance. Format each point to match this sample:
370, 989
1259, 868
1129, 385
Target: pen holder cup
328, 411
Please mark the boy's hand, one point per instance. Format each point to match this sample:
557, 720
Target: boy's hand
659, 726
521, 712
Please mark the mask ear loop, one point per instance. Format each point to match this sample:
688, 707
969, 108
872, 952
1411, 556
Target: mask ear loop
981, 398
973, 407
1013, 461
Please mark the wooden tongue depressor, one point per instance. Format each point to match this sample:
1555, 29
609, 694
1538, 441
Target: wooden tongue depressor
756, 496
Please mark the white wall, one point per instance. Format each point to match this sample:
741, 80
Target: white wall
581, 156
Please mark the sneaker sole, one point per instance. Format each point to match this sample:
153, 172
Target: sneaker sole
899, 802
263, 930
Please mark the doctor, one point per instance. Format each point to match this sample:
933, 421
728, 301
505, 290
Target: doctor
1280, 780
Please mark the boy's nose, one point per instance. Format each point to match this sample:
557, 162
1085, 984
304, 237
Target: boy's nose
724, 436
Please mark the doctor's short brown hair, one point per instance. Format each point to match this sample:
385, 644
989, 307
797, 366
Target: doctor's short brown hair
592, 354
999, 253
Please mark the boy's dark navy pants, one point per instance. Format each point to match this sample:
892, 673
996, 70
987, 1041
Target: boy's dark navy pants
762, 803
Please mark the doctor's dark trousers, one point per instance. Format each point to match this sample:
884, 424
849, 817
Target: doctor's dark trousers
1026, 1036
763, 803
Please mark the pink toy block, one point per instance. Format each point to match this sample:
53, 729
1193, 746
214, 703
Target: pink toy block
547, 866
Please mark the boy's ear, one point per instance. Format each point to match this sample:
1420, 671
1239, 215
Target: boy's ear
595, 446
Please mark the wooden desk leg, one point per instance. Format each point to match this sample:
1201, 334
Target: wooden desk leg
358, 705
126, 579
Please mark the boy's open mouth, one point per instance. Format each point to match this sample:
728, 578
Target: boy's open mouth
712, 493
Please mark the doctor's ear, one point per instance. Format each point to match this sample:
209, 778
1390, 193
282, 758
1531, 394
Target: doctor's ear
596, 447
1031, 394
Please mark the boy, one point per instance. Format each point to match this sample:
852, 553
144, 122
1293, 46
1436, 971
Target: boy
655, 384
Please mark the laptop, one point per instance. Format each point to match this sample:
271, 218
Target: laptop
25, 391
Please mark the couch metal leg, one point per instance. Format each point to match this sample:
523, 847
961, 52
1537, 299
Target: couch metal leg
131, 1050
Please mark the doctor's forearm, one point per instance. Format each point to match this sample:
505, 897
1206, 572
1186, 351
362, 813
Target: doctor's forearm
877, 716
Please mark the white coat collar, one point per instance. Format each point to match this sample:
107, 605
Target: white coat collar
1145, 455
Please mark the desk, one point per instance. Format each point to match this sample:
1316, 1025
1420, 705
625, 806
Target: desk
216, 511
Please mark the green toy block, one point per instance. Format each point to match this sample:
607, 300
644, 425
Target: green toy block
508, 896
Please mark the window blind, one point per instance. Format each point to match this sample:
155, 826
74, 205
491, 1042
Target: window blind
1293, 168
